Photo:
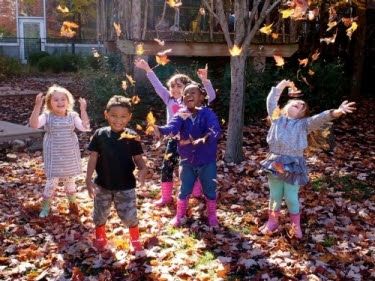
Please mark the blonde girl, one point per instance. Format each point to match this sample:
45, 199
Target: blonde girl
61, 154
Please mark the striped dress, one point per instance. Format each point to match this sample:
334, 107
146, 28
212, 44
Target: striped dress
61, 153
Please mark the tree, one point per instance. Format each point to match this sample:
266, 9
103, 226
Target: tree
249, 15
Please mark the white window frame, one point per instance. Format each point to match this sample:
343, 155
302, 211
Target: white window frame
42, 29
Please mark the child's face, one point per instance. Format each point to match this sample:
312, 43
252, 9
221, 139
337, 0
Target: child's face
118, 117
176, 88
59, 103
193, 97
296, 109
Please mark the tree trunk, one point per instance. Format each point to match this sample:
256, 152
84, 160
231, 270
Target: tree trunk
233, 151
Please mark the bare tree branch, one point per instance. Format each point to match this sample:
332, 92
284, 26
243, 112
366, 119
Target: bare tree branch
208, 7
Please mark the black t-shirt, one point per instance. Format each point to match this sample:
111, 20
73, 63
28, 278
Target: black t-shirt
115, 165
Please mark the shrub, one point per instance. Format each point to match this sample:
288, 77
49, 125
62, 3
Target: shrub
51, 63
35, 57
9, 67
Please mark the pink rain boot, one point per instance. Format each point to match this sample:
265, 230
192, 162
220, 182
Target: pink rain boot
180, 212
197, 189
211, 213
296, 230
272, 224
166, 194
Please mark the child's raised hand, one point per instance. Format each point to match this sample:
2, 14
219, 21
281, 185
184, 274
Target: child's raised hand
347, 107
82, 104
39, 100
142, 64
202, 73
284, 83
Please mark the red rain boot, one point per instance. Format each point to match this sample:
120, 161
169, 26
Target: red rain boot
166, 194
101, 239
180, 212
134, 238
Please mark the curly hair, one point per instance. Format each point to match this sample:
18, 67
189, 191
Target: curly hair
58, 89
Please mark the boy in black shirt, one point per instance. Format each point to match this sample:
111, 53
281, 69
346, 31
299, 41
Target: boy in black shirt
114, 150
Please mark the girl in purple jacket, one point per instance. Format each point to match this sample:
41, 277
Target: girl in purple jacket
172, 98
199, 131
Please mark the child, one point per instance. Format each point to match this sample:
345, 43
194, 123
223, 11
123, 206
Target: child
173, 100
62, 158
285, 164
114, 150
199, 131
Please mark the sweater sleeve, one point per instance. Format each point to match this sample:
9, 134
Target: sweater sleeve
211, 94
272, 100
173, 127
317, 121
78, 123
213, 127
42, 119
162, 91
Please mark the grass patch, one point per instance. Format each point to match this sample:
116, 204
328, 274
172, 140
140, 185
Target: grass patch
205, 259
329, 241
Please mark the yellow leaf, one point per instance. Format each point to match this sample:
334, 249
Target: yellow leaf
350, 30
331, 25
279, 60
150, 118
62, 10
266, 29
117, 29
162, 60
174, 3
167, 156
124, 85
139, 127
139, 50
126, 135
131, 80
274, 35
235, 51
286, 13
222, 121
67, 29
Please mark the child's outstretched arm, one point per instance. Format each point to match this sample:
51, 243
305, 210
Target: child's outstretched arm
202, 74
172, 128
274, 95
162, 91
83, 123
318, 120
142, 168
34, 120
91, 164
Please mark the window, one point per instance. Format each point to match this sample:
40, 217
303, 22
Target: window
8, 23
30, 8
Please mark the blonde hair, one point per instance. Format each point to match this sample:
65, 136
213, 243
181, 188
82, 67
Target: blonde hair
58, 89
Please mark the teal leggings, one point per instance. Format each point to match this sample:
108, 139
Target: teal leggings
280, 189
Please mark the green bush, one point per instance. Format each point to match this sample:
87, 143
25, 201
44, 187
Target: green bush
61, 63
35, 57
51, 63
71, 62
9, 67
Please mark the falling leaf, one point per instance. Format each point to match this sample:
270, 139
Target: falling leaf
286, 13
279, 60
160, 42
174, 3
235, 51
348, 21
162, 60
303, 62
138, 127
135, 100
131, 80
62, 10
150, 119
202, 11
117, 29
315, 55
311, 72
124, 85
266, 29
95, 53
67, 29
127, 135
139, 50
167, 156
350, 30
274, 35
223, 121
162, 53
331, 25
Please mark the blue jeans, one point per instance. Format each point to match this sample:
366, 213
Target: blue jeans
206, 174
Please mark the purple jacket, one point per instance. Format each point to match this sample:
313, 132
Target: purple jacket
172, 104
204, 123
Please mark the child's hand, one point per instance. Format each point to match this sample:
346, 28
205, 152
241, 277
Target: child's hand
202, 73
90, 188
284, 83
200, 140
347, 107
82, 104
142, 64
141, 177
39, 101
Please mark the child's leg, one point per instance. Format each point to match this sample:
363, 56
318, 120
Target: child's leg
169, 164
207, 176
188, 177
126, 207
197, 189
48, 193
70, 188
276, 195
102, 207
291, 199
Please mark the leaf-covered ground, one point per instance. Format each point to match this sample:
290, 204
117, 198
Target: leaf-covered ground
337, 216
